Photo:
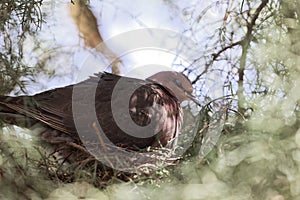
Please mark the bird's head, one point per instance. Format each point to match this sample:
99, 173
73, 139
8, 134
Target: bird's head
178, 83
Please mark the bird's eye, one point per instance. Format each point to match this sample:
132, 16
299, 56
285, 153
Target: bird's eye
178, 83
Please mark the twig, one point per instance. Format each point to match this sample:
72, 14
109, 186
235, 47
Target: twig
99, 137
245, 46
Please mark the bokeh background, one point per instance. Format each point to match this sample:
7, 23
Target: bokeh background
248, 51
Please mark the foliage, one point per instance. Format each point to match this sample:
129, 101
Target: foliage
255, 46
18, 19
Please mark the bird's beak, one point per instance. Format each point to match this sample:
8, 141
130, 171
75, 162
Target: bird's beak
193, 98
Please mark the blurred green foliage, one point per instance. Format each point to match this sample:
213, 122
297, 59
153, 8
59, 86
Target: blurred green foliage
18, 19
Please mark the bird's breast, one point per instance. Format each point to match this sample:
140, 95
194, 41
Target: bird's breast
153, 113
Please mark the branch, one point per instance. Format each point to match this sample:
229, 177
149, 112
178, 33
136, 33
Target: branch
250, 26
214, 58
245, 46
245, 42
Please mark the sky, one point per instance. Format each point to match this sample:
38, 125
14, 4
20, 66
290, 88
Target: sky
115, 19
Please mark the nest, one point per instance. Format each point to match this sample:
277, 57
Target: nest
72, 159
67, 158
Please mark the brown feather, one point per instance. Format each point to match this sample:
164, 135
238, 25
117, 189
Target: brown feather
54, 110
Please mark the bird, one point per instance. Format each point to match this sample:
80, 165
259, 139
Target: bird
54, 110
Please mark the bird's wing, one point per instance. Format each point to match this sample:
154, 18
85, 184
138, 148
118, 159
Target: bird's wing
55, 108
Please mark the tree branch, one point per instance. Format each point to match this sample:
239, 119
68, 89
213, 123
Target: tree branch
245, 42
245, 46
214, 58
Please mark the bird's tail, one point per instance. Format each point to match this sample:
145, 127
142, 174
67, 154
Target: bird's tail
9, 115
